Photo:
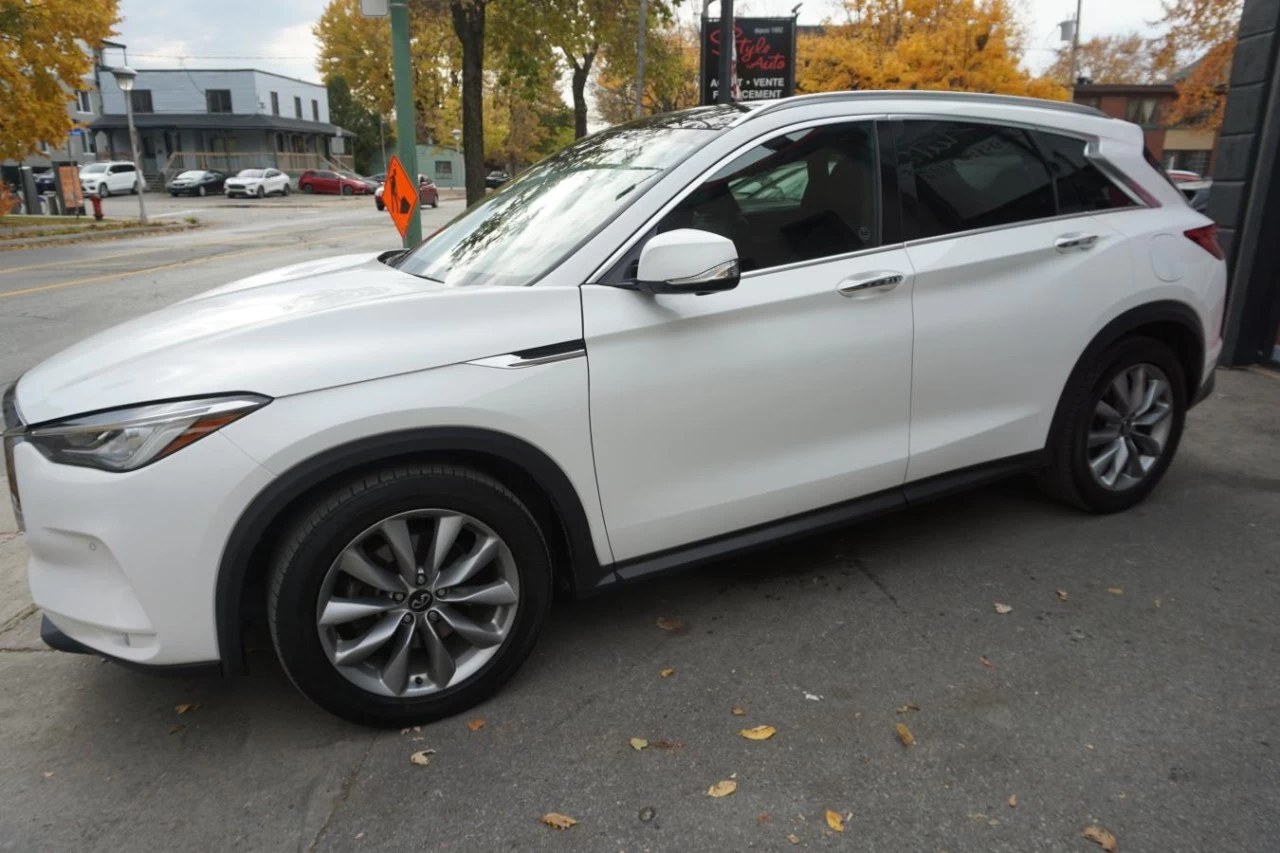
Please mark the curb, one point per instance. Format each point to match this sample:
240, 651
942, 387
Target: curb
90, 236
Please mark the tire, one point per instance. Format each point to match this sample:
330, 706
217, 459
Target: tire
305, 566
104, 191
1069, 476
348, 191
307, 189
435, 202
201, 191
262, 192
287, 189
175, 195
378, 203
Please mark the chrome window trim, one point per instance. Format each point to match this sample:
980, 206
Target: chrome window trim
861, 253
628, 244
990, 229
515, 361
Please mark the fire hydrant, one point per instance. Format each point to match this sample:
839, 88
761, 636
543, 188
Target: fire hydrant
96, 201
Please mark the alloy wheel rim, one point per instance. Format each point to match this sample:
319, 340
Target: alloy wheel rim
418, 602
1130, 428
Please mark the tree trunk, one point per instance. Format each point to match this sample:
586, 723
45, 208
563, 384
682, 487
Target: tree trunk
468, 24
581, 73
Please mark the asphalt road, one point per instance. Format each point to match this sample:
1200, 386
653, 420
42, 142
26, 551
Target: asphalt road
1147, 702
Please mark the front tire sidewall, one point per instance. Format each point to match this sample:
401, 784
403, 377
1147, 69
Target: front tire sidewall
299, 574
1094, 496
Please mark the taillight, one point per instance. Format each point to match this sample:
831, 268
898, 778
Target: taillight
1207, 238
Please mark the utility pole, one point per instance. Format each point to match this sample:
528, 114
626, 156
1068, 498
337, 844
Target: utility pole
125, 77
644, 25
406, 135
1075, 49
725, 72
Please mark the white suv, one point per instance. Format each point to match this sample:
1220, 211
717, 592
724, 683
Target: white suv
107, 178
676, 340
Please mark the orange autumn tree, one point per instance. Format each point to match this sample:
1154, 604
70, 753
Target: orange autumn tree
1201, 32
1121, 58
958, 45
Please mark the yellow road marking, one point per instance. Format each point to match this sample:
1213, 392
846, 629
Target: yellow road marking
126, 273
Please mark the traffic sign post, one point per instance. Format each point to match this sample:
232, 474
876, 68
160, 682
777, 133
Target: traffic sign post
400, 196
406, 131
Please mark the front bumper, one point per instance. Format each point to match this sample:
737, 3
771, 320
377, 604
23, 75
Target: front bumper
125, 564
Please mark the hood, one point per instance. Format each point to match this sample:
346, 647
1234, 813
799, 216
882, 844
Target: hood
300, 328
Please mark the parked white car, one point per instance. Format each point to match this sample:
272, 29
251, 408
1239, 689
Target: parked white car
257, 183
109, 177
794, 315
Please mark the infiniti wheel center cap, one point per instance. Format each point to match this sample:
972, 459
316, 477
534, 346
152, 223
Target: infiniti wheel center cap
419, 601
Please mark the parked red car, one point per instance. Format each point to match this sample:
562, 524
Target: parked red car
428, 194
323, 181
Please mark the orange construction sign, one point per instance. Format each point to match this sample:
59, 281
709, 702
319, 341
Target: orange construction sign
400, 195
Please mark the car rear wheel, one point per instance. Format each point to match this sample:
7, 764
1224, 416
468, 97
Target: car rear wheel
287, 189
1120, 429
348, 191
378, 203
409, 594
202, 192
307, 189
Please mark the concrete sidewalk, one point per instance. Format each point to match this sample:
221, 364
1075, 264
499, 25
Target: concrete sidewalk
1147, 702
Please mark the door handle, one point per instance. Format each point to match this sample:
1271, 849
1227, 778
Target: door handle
1075, 243
872, 282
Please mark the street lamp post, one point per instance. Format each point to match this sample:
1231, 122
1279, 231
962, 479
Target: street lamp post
125, 77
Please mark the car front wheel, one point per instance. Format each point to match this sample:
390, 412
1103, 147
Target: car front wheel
348, 191
104, 191
409, 594
1120, 427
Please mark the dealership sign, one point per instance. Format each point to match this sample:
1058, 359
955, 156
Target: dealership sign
765, 58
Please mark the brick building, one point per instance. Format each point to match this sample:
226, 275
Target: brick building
1146, 105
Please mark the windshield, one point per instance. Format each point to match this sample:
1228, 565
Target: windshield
191, 176
250, 173
93, 169
520, 233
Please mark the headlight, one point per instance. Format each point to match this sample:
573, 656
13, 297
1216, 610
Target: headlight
127, 439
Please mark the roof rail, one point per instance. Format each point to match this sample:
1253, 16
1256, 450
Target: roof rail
924, 95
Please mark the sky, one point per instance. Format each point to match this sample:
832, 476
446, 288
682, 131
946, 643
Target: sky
275, 35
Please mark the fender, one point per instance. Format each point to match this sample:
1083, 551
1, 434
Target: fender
272, 502
1165, 311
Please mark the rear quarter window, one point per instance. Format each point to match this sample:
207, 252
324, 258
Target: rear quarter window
1081, 186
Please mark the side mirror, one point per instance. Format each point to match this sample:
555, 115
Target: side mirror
687, 260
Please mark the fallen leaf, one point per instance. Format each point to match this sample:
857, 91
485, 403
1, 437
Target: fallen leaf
1062, 595
557, 821
812, 697
185, 707
669, 624
910, 706
176, 729
835, 821
904, 734
668, 672
722, 789
993, 822
1157, 603
422, 757
1100, 837
793, 838
666, 744
759, 733
1116, 590
739, 712
639, 743
762, 819
48, 774
1013, 801
647, 813
988, 664
476, 725
1002, 608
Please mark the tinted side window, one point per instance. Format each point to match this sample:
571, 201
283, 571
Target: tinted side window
1081, 186
968, 175
802, 196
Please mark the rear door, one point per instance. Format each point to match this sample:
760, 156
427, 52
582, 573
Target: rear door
1014, 264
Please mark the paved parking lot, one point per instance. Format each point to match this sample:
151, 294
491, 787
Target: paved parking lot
1145, 700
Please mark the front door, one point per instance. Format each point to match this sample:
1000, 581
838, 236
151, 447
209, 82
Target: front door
715, 413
